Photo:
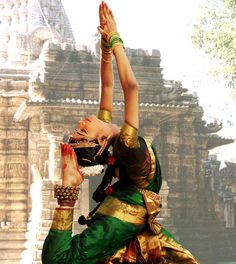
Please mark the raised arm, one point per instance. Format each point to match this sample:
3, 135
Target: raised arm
128, 82
106, 69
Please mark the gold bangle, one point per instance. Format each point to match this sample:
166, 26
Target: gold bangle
66, 192
107, 61
106, 51
111, 34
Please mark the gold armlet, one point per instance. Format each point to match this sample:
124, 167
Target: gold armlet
62, 219
129, 136
106, 51
105, 116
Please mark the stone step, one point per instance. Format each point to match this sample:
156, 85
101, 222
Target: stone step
37, 255
21, 206
10, 255
8, 261
11, 196
14, 186
13, 76
12, 235
41, 236
14, 71
15, 180
40, 245
16, 244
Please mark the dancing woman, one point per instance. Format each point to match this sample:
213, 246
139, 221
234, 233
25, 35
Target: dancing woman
123, 228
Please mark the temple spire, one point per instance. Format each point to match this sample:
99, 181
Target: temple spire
25, 25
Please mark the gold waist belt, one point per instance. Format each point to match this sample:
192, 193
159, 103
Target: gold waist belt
134, 214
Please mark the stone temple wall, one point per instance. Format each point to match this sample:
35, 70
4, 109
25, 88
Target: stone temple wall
61, 88
13, 169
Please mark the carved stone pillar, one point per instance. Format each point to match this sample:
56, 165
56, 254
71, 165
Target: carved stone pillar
149, 126
3, 180
168, 147
201, 156
14, 182
164, 218
54, 157
5, 16
229, 213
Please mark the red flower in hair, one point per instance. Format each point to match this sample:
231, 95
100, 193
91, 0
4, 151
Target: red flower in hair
109, 190
111, 161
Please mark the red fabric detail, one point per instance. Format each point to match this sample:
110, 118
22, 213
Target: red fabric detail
109, 190
111, 161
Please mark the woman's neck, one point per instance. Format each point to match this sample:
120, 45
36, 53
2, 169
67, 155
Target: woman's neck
115, 130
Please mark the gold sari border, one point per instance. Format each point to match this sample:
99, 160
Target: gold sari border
143, 181
62, 219
134, 214
153, 161
105, 116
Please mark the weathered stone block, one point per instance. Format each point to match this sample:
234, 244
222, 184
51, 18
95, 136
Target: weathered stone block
46, 214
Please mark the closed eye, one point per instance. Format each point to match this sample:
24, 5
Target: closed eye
81, 131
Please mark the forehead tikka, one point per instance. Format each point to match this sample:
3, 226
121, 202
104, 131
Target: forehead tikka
84, 144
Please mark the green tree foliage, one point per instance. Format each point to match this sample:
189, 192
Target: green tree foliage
214, 32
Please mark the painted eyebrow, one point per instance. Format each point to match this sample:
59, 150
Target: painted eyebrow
88, 119
84, 131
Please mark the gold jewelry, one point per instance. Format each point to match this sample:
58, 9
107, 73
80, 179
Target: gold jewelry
129, 136
62, 202
66, 192
111, 34
105, 115
107, 61
83, 144
106, 51
114, 40
62, 219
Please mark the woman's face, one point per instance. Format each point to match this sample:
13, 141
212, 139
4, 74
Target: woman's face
89, 128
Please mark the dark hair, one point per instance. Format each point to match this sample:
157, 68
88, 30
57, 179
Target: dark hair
87, 156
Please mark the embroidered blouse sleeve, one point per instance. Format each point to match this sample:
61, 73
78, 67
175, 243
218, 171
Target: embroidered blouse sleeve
132, 153
58, 243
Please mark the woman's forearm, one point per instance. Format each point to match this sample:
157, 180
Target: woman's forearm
106, 83
125, 71
129, 85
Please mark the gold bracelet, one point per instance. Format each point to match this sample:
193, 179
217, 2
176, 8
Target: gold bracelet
107, 61
66, 192
111, 34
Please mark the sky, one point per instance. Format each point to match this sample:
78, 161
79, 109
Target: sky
164, 25
149, 24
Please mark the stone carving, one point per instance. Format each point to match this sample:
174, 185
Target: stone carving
27, 24
17, 134
172, 90
15, 144
36, 87
16, 170
95, 48
48, 20
213, 127
171, 148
